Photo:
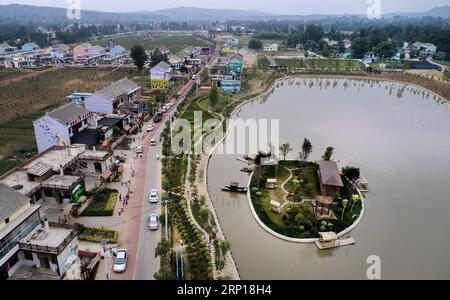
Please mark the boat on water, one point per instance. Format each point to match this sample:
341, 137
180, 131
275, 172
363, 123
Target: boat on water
328, 240
234, 188
248, 169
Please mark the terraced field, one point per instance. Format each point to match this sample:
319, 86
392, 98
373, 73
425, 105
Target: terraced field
25, 100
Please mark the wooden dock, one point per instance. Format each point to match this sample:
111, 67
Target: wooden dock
337, 243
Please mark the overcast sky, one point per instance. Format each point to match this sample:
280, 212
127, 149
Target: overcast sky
298, 7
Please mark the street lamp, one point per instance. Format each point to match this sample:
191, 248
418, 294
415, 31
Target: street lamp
166, 218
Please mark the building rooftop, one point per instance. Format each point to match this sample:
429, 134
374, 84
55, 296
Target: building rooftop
19, 220
123, 86
163, 65
329, 173
71, 113
10, 201
58, 157
95, 155
39, 169
54, 238
62, 181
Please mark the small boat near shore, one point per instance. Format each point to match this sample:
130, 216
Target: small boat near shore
328, 240
248, 169
234, 188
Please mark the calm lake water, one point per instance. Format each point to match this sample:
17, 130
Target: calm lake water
399, 136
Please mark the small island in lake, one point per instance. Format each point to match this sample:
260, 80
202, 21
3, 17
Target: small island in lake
300, 199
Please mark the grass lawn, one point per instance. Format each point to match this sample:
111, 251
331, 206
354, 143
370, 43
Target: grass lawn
10, 73
102, 204
96, 235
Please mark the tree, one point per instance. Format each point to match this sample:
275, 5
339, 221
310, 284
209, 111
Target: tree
163, 248
157, 57
255, 44
386, 49
299, 219
139, 57
306, 149
352, 173
214, 96
285, 149
328, 153
360, 47
355, 199
224, 247
296, 183
344, 205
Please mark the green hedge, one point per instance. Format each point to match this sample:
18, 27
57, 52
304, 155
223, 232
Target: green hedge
96, 235
102, 204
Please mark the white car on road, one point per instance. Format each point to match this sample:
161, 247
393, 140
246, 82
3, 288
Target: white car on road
153, 198
120, 261
153, 222
150, 127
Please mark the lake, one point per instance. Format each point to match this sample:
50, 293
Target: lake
398, 135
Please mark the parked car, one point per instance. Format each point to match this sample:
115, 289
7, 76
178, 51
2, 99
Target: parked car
171, 103
179, 94
153, 222
158, 117
153, 198
120, 261
164, 109
150, 127
194, 77
152, 142
139, 149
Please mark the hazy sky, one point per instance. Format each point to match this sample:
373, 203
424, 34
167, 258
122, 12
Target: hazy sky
300, 7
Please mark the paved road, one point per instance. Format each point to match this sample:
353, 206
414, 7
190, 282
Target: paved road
135, 235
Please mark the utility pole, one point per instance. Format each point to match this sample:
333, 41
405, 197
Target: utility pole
181, 260
166, 217
176, 260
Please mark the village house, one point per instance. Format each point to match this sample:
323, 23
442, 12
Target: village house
119, 97
58, 127
50, 176
27, 243
118, 51
30, 47
61, 53
80, 51
271, 47
249, 58
162, 71
329, 178
7, 49
232, 79
175, 61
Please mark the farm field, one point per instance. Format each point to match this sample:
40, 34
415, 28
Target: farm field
26, 100
175, 43
321, 64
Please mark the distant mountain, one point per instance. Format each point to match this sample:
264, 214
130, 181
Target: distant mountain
204, 14
443, 12
50, 15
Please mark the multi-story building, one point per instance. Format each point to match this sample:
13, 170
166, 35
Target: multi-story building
119, 97
58, 127
25, 240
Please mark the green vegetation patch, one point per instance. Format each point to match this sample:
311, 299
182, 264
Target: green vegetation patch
102, 204
96, 235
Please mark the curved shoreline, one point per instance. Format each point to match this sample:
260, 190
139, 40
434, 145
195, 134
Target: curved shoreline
268, 91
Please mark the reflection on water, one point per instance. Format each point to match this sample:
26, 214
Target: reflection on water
399, 135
